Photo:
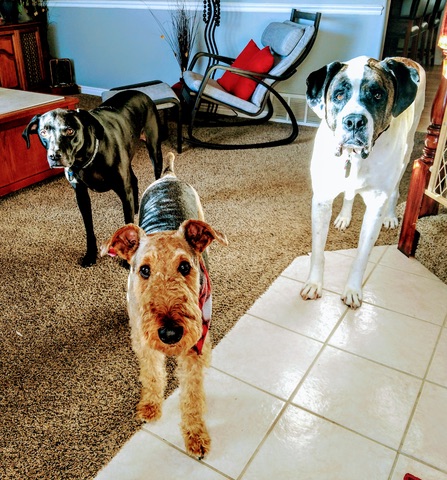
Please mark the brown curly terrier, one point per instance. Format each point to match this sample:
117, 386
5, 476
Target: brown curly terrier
169, 299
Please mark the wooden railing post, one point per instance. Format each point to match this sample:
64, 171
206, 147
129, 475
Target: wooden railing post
419, 204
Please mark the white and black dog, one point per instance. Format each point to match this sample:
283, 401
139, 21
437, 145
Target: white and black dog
96, 148
370, 110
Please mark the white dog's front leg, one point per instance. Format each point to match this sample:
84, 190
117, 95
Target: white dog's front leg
343, 219
321, 216
372, 223
390, 219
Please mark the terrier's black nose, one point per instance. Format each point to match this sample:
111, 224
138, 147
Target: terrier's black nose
171, 333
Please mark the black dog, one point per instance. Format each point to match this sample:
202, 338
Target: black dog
96, 148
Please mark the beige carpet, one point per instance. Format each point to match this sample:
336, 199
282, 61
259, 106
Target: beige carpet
431, 250
68, 375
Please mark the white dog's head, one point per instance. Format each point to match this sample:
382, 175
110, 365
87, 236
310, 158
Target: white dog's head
358, 99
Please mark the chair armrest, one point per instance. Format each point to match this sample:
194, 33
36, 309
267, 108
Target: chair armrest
213, 56
244, 73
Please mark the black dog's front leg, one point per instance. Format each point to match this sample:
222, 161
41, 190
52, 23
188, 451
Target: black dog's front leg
127, 190
129, 199
85, 207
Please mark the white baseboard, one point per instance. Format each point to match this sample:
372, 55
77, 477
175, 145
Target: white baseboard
92, 90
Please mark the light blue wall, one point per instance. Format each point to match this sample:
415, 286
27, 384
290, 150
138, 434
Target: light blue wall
122, 44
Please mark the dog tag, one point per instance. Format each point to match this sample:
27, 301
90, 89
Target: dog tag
347, 167
69, 175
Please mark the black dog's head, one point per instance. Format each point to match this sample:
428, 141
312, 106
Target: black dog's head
67, 135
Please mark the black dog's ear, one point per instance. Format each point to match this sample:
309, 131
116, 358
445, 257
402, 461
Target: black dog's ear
406, 82
32, 127
317, 84
90, 122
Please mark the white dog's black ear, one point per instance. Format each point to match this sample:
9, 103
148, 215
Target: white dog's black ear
317, 84
406, 81
31, 128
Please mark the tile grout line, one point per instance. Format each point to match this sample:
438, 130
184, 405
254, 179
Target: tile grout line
416, 403
180, 450
288, 402
287, 329
413, 375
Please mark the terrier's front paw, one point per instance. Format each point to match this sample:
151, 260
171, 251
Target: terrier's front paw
148, 411
197, 443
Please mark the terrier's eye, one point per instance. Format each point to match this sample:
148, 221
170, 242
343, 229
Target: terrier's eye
184, 268
339, 97
70, 132
145, 271
378, 95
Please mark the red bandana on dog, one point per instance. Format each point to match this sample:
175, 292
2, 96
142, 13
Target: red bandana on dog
205, 304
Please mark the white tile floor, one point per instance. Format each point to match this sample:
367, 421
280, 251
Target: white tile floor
313, 390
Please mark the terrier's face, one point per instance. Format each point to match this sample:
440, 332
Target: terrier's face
164, 282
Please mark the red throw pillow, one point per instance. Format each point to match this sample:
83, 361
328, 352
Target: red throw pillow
253, 59
262, 62
228, 79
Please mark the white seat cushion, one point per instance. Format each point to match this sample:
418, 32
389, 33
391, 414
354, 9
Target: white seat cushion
159, 93
214, 90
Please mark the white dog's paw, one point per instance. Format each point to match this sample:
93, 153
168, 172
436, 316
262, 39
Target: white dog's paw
352, 297
342, 222
390, 222
311, 291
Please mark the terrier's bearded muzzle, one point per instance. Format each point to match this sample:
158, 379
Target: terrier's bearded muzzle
171, 332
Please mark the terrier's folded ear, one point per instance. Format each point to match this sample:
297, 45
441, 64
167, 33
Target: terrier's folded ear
199, 234
124, 242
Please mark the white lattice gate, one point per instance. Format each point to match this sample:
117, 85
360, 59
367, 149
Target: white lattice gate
437, 187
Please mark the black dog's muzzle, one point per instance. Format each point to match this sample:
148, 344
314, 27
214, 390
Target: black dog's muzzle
54, 160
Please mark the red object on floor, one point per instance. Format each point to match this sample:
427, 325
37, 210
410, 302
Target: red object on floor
409, 476
177, 87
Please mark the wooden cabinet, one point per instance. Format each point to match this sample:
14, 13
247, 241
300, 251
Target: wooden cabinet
22, 59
